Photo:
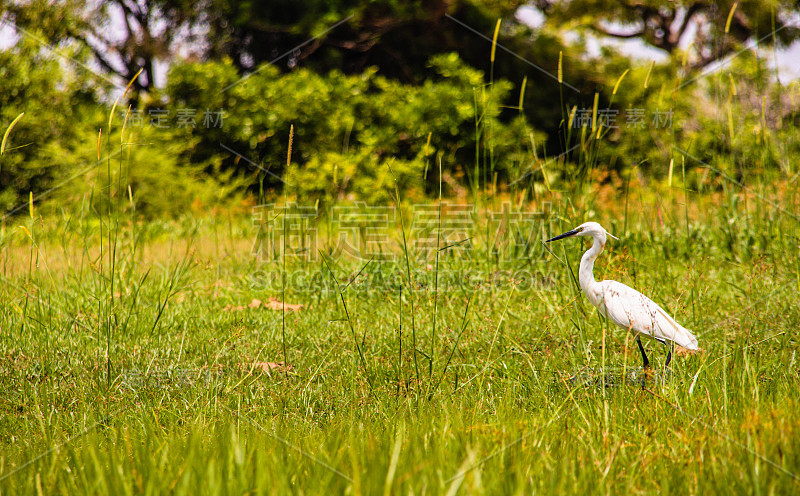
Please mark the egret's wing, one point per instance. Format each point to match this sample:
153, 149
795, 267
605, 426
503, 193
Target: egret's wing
634, 311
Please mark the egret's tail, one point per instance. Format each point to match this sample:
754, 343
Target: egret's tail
685, 338
677, 333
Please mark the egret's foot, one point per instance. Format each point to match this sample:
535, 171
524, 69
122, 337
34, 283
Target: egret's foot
637, 377
648, 373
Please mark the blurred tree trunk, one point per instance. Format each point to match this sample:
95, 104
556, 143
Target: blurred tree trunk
713, 29
123, 36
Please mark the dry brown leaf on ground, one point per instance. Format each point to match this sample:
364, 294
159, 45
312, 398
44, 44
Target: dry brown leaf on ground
276, 304
267, 366
272, 304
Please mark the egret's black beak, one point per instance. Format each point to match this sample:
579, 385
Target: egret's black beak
565, 235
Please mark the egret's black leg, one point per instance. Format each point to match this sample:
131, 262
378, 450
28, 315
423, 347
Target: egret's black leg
669, 356
645, 361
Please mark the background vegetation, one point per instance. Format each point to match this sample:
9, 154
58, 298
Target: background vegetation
160, 334
368, 82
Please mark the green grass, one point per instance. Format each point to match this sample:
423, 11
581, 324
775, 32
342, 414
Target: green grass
491, 410
132, 363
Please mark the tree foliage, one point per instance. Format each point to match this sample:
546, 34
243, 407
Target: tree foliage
56, 109
368, 84
123, 36
348, 128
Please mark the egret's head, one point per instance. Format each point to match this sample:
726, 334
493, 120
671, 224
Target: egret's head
592, 229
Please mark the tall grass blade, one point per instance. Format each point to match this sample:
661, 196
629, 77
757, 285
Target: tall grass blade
8, 131
350, 321
283, 270
410, 280
494, 39
730, 17
464, 323
649, 73
619, 81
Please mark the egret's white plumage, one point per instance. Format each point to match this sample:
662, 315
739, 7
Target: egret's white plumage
632, 310
621, 304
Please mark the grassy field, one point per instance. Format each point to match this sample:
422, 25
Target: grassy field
134, 359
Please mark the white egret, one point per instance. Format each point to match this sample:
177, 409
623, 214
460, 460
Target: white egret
623, 305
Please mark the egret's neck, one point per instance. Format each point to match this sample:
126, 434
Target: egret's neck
585, 276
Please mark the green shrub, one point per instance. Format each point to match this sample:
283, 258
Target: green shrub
55, 106
53, 150
348, 128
